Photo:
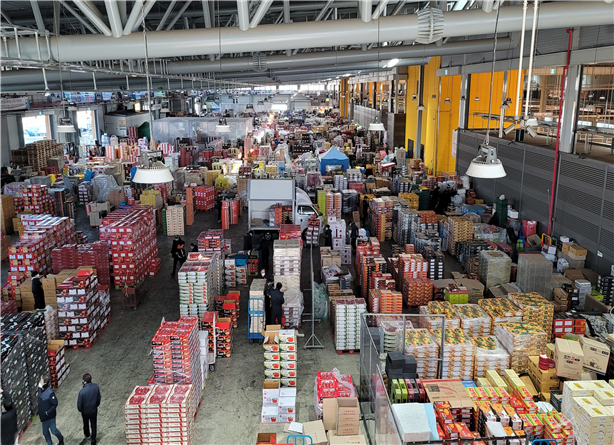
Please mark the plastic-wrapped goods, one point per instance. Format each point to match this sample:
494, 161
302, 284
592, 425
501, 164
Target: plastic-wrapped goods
521, 340
320, 301
350, 200
292, 308
391, 334
420, 344
584, 289
494, 268
458, 353
500, 310
489, 354
473, 320
15, 377
347, 322
535, 309
287, 257
534, 273
340, 182
439, 308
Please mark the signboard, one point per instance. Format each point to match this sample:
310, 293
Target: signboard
14, 103
454, 143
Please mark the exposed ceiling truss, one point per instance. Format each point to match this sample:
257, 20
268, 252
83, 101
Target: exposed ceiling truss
348, 27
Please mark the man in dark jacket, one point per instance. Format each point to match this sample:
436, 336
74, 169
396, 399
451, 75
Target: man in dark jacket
176, 241
47, 404
9, 420
328, 236
87, 404
248, 241
178, 257
193, 248
37, 290
277, 300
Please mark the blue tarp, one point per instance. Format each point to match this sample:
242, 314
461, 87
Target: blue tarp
333, 157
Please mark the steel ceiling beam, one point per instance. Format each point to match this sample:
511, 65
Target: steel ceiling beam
38, 17
260, 12
167, 14
93, 17
243, 12
179, 14
114, 17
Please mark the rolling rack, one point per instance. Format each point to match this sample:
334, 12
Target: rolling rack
255, 311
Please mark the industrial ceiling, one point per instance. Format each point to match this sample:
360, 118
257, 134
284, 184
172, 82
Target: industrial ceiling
104, 44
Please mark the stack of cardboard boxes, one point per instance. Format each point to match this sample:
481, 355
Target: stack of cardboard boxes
342, 420
544, 380
58, 366
278, 404
330, 257
280, 355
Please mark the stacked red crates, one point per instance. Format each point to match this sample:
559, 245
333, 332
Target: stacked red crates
131, 235
160, 414
36, 198
223, 337
391, 302
71, 256
204, 197
18, 204
83, 309
211, 240
176, 355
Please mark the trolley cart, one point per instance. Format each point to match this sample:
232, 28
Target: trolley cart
211, 318
131, 297
256, 318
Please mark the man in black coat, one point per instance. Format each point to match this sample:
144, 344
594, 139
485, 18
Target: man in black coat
176, 241
87, 404
47, 405
277, 301
37, 290
328, 236
178, 257
353, 235
248, 241
9, 431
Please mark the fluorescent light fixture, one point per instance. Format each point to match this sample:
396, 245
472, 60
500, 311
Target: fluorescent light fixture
392, 62
65, 126
477, 99
222, 126
601, 97
137, 107
531, 131
447, 101
421, 108
157, 174
486, 165
505, 105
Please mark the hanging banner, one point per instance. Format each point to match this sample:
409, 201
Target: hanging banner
454, 143
14, 103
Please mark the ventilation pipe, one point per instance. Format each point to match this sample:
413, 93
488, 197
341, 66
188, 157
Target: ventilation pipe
243, 13
190, 42
365, 7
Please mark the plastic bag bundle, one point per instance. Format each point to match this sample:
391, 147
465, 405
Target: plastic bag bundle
292, 308
320, 301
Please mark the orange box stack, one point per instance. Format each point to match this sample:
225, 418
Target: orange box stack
417, 291
189, 205
371, 247
391, 302
204, 197
37, 199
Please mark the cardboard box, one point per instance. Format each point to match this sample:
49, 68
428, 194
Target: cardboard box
269, 414
569, 358
448, 390
596, 355
270, 392
356, 439
529, 385
577, 250
316, 431
348, 416
329, 414
266, 438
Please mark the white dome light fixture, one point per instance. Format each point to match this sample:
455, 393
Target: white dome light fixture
486, 165
156, 174
222, 126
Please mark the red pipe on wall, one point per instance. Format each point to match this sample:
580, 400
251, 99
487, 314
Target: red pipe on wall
558, 135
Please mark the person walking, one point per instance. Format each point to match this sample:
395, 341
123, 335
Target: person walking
365, 212
9, 431
47, 405
266, 246
277, 301
87, 404
178, 257
328, 236
267, 298
248, 241
353, 235
176, 241
218, 205
37, 290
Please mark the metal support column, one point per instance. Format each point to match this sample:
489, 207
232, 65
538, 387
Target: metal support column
312, 342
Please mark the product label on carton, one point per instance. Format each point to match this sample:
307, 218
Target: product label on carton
269, 414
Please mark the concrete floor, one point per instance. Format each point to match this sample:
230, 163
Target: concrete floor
231, 404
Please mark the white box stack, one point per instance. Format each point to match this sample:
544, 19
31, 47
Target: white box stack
347, 323
175, 220
287, 257
346, 254
230, 273
198, 283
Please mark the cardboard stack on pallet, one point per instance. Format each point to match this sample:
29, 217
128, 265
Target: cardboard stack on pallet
58, 366
39, 153
7, 213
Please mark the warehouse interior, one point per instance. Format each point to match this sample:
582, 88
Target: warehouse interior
215, 99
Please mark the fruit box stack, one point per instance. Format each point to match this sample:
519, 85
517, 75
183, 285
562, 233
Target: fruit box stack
330, 385
347, 313
71, 256
223, 337
204, 197
58, 366
83, 311
280, 355
160, 414
36, 198
521, 340
278, 404
15, 376
459, 353
175, 220
131, 235
176, 355
30, 329
197, 282
211, 240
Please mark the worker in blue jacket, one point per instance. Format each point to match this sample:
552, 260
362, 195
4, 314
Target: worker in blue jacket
47, 405
87, 404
